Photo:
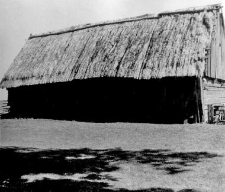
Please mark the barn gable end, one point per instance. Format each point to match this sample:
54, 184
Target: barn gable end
214, 77
216, 63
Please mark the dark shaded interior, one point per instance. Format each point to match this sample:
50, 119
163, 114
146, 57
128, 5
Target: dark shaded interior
166, 100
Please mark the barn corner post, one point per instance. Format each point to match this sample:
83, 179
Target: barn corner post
199, 103
201, 99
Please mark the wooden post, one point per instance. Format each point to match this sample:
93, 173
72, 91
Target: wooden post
210, 114
199, 116
202, 99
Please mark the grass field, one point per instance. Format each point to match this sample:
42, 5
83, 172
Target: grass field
50, 155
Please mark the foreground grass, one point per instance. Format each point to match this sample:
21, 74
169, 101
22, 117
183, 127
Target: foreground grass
47, 155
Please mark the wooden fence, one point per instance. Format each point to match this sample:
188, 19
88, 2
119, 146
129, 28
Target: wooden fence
4, 108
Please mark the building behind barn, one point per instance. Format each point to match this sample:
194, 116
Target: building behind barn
164, 68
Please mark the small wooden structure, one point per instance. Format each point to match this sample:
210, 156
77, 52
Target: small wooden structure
165, 68
215, 113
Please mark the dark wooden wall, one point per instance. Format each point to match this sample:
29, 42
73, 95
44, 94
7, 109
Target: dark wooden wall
216, 62
167, 100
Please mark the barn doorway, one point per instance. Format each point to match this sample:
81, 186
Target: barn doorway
166, 100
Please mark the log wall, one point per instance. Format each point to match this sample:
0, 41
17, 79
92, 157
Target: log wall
214, 91
166, 100
214, 94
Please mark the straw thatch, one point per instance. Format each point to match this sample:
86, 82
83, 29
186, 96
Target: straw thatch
149, 46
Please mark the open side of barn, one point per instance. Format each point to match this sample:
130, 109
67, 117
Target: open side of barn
167, 100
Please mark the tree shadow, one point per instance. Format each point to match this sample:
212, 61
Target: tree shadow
91, 164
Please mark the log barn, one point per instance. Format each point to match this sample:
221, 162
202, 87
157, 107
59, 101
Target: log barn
157, 68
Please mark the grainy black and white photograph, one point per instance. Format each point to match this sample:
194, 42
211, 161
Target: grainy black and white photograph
112, 96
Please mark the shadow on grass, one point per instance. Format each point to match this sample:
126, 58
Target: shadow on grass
17, 162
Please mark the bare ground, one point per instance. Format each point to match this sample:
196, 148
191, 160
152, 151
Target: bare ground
111, 156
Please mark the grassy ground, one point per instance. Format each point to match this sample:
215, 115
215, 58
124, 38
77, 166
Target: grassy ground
48, 155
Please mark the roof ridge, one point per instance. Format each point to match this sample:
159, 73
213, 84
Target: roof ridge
193, 9
130, 19
90, 25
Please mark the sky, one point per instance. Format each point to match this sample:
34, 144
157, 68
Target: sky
20, 18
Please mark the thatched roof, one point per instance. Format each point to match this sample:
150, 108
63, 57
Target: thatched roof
149, 46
